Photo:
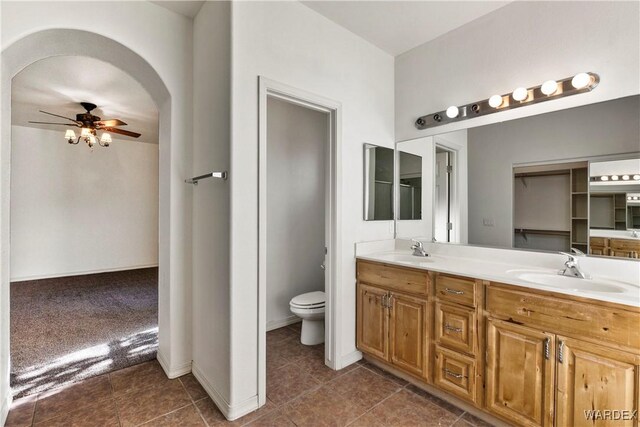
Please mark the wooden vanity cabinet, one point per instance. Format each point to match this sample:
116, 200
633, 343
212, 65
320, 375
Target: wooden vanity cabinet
520, 374
594, 376
528, 357
393, 325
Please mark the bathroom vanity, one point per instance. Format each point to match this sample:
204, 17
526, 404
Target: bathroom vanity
527, 353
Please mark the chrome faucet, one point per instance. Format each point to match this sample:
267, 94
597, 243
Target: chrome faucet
418, 249
572, 269
634, 233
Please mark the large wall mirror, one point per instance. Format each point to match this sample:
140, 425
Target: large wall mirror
378, 183
550, 182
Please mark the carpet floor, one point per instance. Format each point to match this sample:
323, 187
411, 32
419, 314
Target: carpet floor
67, 329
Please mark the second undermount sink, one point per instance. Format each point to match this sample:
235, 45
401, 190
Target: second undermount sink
571, 283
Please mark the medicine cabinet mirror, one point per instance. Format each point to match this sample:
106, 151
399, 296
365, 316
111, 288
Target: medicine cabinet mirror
378, 183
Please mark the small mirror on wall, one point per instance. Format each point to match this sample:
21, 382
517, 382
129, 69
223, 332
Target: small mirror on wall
410, 186
378, 183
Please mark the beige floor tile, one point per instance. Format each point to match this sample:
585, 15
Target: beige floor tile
365, 386
76, 396
102, 414
185, 417
324, 407
193, 387
137, 378
138, 407
408, 409
21, 413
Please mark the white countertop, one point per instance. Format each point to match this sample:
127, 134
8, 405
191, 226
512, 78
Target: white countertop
626, 292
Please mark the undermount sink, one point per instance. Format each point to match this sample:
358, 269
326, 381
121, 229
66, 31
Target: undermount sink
571, 283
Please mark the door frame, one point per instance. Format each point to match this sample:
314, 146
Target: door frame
456, 214
333, 190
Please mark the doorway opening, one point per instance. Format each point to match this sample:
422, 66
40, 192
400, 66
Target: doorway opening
444, 180
298, 230
84, 225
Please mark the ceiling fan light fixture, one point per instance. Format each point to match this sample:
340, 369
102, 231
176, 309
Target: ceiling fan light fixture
85, 132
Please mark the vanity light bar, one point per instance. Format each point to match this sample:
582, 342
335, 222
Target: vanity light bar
613, 178
520, 97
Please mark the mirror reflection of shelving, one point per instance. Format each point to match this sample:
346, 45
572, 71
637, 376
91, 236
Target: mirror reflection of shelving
551, 207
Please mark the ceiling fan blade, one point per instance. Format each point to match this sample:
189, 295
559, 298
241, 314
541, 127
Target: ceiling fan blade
109, 123
122, 132
49, 123
57, 115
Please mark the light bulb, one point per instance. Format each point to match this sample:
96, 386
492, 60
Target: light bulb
628, 197
581, 80
105, 138
604, 178
85, 132
92, 141
635, 197
520, 94
70, 134
614, 177
452, 112
625, 177
495, 101
636, 177
549, 87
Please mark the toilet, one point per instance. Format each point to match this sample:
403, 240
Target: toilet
310, 308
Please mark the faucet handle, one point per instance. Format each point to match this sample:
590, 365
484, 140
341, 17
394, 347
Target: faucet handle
572, 257
417, 244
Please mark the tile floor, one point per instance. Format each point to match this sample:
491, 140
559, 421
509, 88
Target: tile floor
301, 391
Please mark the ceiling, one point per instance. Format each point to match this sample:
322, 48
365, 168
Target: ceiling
398, 26
187, 8
58, 84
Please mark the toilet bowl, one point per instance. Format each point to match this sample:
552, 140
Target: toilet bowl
310, 308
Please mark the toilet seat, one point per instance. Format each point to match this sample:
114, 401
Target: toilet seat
309, 301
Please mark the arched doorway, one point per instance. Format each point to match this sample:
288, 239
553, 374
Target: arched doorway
55, 42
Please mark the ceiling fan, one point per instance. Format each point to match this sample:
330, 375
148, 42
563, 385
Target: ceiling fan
90, 124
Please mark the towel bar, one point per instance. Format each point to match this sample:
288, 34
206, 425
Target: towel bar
222, 175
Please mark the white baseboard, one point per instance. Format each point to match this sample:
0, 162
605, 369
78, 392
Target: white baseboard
80, 273
276, 324
173, 372
350, 359
4, 408
230, 412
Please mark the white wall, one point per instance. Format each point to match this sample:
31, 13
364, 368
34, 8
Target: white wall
307, 51
211, 205
297, 145
75, 211
599, 129
156, 39
521, 44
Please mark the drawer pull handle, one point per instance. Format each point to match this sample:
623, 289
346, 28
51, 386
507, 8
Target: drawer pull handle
546, 348
452, 328
453, 374
561, 352
454, 291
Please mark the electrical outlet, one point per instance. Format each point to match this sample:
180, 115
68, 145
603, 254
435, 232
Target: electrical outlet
487, 222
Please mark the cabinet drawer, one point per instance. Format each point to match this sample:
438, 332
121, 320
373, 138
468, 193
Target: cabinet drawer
455, 373
562, 316
599, 241
456, 289
456, 327
394, 278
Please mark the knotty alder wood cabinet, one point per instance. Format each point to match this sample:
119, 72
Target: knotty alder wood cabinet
528, 357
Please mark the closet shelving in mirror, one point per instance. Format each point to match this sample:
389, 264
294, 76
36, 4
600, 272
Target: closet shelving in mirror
520, 97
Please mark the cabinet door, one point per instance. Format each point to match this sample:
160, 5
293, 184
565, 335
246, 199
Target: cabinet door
408, 334
372, 321
593, 380
520, 374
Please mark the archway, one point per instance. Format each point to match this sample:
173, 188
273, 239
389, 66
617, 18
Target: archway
55, 42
